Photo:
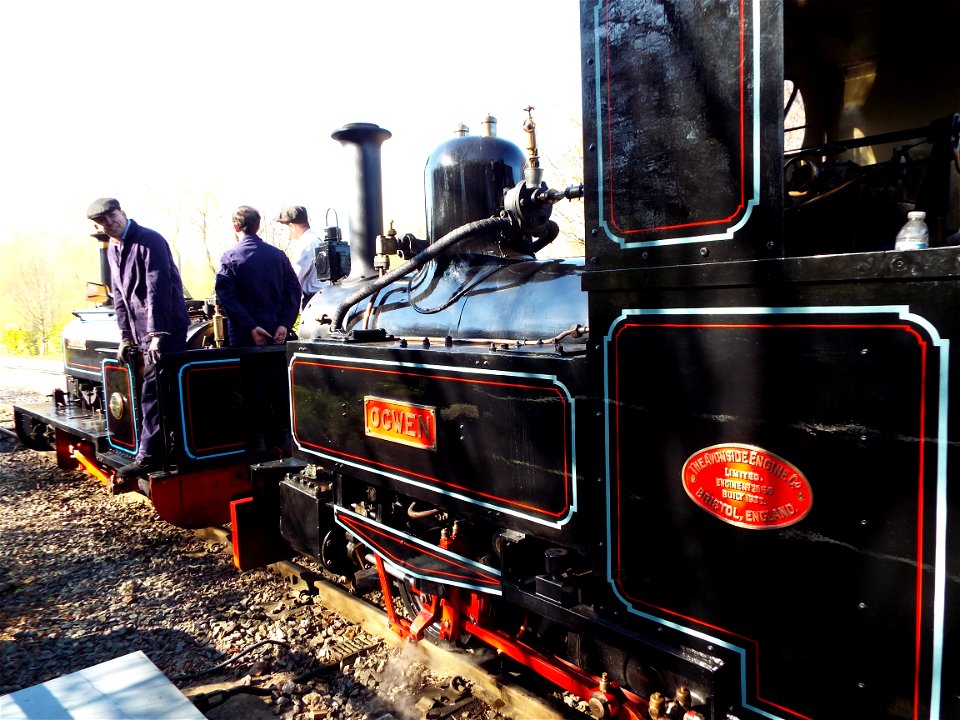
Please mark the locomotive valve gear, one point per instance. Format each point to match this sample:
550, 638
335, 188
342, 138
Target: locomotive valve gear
126, 351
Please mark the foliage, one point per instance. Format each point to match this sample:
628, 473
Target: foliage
43, 279
15, 340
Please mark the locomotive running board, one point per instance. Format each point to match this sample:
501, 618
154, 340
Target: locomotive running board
74, 422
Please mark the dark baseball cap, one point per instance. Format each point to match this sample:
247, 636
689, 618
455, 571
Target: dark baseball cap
102, 206
293, 214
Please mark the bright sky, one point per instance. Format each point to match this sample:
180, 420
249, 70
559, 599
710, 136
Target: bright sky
142, 101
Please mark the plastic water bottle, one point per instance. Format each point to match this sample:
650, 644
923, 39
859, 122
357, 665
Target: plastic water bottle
913, 235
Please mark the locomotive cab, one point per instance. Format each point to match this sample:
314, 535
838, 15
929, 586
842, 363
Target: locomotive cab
871, 125
751, 309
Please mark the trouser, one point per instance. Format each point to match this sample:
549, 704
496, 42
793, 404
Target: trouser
151, 430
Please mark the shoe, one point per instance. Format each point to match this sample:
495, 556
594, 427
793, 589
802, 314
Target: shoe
138, 467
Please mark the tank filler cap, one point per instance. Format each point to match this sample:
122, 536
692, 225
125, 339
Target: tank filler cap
489, 126
461, 130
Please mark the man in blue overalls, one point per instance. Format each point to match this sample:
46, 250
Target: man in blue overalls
150, 310
256, 286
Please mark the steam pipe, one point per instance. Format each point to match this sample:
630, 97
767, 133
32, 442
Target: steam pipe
362, 142
547, 236
417, 262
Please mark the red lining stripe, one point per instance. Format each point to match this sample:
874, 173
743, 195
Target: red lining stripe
437, 481
922, 440
85, 367
741, 65
186, 396
133, 420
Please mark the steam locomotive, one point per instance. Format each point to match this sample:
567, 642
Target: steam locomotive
705, 472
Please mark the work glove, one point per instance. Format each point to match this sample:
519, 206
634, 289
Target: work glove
126, 351
152, 355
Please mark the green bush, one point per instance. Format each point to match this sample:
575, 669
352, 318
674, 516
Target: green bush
15, 340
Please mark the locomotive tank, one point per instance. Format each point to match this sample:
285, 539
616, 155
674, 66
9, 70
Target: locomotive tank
487, 286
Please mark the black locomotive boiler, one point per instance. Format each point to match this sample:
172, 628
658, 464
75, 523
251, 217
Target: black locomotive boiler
705, 472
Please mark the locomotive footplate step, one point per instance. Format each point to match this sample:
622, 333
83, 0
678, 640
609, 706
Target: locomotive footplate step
75, 421
114, 459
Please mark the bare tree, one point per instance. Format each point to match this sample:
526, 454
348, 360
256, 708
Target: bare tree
275, 234
39, 295
197, 219
205, 217
564, 167
175, 213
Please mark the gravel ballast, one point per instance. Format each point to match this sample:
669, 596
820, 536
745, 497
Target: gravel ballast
86, 577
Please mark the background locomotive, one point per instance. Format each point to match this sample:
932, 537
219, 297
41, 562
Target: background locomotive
706, 470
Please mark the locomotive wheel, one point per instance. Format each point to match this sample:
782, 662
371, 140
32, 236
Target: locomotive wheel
414, 601
34, 434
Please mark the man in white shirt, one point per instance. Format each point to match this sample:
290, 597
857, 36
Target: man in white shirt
304, 250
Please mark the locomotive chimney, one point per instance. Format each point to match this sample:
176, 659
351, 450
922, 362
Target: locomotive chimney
362, 142
104, 241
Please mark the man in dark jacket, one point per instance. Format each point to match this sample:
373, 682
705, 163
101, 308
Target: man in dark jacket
150, 310
257, 288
